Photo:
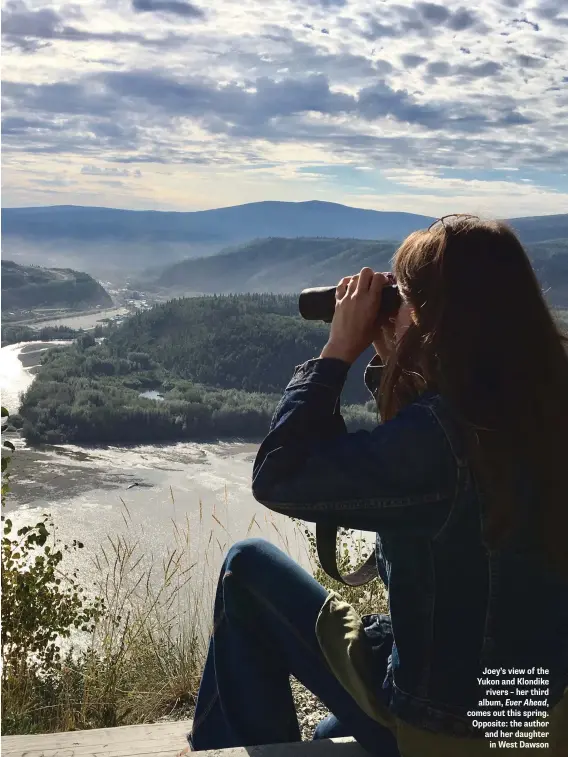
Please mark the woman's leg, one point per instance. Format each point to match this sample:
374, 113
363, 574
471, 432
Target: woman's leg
331, 728
264, 630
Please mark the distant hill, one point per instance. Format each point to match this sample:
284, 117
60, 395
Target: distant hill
275, 265
118, 243
114, 244
222, 225
541, 228
289, 265
550, 261
29, 287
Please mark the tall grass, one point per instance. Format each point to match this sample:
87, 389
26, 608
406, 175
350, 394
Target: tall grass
143, 661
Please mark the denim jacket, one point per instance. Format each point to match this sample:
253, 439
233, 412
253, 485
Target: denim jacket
456, 606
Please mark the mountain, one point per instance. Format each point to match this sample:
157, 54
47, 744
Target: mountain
221, 226
550, 261
289, 265
275, 265
30, 287
540, 228
116, 243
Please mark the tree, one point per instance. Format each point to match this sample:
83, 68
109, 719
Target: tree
41, 603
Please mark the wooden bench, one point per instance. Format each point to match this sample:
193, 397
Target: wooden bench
158, 740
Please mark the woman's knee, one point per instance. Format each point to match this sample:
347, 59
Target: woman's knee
248, 556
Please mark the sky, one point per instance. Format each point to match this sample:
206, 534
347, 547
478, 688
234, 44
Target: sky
426, 107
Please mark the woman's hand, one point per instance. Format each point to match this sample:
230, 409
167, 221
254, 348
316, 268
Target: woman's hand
354, 326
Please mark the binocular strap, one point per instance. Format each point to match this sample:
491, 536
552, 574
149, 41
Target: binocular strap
326, 537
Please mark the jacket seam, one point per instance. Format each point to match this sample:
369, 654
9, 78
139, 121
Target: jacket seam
361, 504
427, 701
459, 478
430, 640
460, 461
457, 492
312, 382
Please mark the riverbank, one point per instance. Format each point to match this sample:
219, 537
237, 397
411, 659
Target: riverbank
156, 521
142, 660
15, 376
79, 319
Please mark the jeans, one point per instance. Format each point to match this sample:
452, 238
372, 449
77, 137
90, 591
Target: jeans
265, 614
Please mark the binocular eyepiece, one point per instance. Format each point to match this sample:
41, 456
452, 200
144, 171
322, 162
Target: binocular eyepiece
318, 303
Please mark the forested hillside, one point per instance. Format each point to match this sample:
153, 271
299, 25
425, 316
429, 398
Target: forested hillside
116, 244
550, 260
220, 365
289, 265
277, 265
28, 287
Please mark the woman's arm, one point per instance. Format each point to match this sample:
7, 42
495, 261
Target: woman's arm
309, 467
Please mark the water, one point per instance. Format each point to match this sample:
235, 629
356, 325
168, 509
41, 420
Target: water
141, 491
152, 394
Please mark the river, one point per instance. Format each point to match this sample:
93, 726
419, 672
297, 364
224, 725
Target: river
144, 492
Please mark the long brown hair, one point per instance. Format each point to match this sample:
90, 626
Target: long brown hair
485, 338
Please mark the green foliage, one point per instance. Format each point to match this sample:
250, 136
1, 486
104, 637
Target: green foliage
221, 364
277, 265
142, 642
41, 603
13, 334
7, 450
289, 265
352, 551
25, 287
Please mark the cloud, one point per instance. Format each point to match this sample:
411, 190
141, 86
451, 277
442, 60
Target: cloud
410, 60
331, 4
118, 106
439, 68
530, 61
423, 19
109, 171
433, 12
380, 100
183, 9
31, 29
28, 29
462, 19
479, 70
22, 125
219, 107
552, 10
413, 83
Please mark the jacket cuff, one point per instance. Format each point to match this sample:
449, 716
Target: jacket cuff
328, 371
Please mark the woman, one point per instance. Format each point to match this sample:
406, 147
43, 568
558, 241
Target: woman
464, 483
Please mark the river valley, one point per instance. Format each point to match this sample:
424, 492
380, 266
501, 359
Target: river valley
145, 492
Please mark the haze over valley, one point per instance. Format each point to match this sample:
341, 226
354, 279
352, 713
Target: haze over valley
268, 246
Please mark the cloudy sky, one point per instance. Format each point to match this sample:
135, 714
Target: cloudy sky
430, 107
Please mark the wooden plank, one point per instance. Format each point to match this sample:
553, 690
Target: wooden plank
167, 739
157, 740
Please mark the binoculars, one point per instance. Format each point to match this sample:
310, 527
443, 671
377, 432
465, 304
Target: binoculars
318, 303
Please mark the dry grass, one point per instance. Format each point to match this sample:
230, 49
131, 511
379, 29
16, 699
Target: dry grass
144, 660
